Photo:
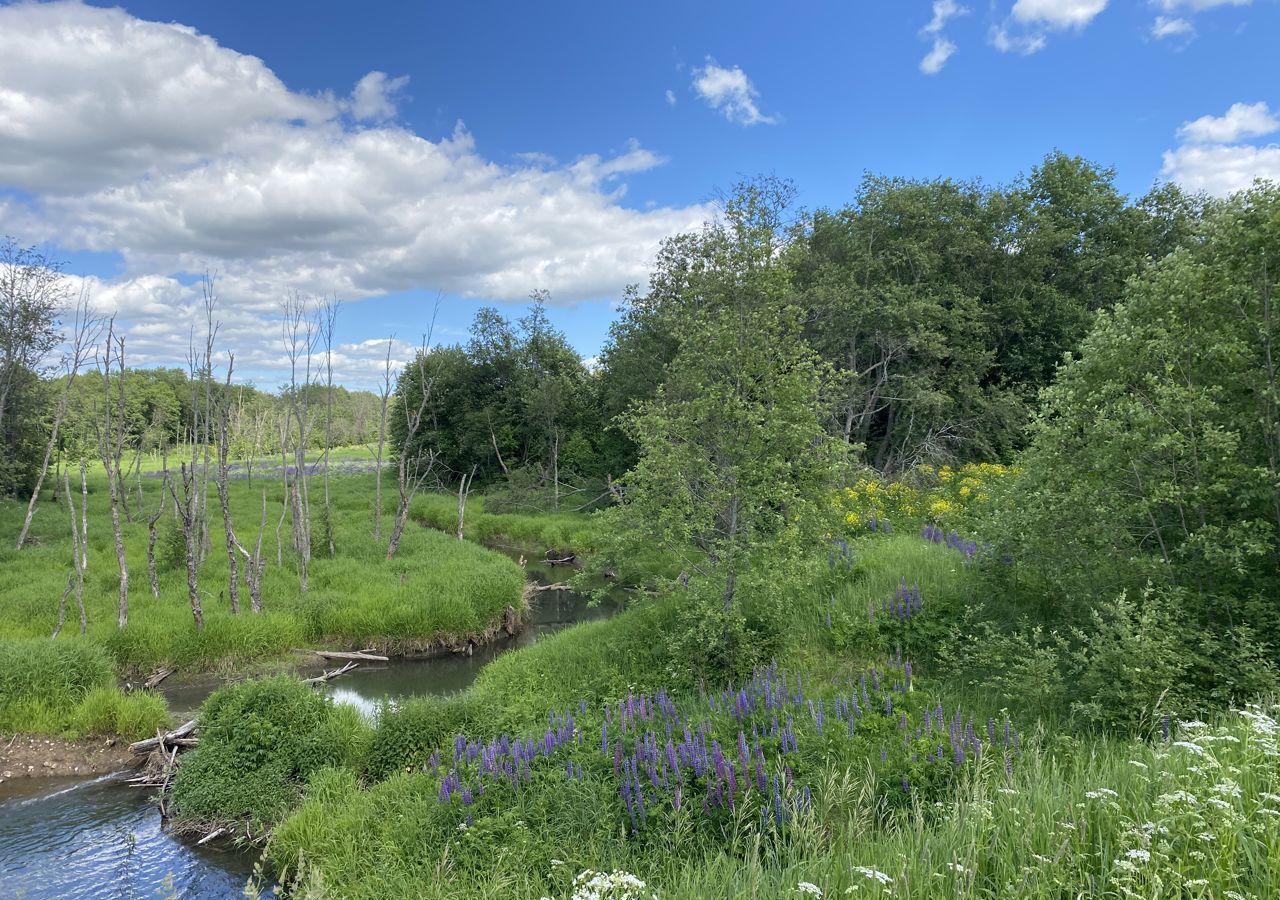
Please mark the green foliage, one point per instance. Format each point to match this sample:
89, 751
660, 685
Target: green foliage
68, 687
108, 711
1155, 456
434, 591
259, 743
410, 730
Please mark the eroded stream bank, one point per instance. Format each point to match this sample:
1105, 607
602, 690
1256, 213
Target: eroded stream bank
99, 837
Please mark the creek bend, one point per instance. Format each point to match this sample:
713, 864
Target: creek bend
100, 837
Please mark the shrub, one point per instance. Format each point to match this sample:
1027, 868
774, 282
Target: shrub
259, 743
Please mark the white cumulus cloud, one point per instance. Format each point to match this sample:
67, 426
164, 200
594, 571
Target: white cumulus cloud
374, 97
1242, 120
1058, 13
942, 50
154, 142
730, 91
1166, 27
1212, 156
1196, 5
937, 57
1025, 30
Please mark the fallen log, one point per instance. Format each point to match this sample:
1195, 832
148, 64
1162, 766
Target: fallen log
362, 655
157, 676
182, 731
329, 676
558, 586
210, 836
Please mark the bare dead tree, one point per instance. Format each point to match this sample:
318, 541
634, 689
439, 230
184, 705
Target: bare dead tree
86, 330
222, 432
186, 507
111, 449
76, 580
284, 477
384, 394
299, 346
414, 466
255, 564
328, 318
152, 536
464, 489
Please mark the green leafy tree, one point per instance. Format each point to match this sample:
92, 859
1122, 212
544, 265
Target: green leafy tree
1156, 456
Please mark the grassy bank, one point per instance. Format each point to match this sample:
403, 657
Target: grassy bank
68, 688
436, 592
565, 531
849, 766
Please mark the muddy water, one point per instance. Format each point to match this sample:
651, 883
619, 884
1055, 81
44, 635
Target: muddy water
102, 838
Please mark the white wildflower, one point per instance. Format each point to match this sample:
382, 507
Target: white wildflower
1038, 858
1138, 763
1205, 836
874, 874
462, 826
1192, 725
1196, 882
557, 862
957, 868
592, 885
1100, 793
1267, 795
1227, 789
1187, 745
1177, 797
1140, 855
1215, 801
808, 887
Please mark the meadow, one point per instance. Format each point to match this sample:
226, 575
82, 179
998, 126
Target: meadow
845, 765
435, 593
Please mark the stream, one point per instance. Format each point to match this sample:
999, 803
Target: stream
100, 837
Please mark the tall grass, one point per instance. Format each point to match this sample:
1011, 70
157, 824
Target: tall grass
68, 687
436, 590
563, 531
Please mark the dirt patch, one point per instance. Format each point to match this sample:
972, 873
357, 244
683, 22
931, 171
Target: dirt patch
41, 756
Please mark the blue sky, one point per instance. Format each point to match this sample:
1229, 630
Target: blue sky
318, 146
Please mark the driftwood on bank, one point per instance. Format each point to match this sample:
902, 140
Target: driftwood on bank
157, 676
361, 655
558, 586
181, 733
329, 676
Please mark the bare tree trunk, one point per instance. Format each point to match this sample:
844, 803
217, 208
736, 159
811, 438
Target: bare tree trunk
224, 496
111, 448
152, 536
187, 517
75, 558
329, 317
254, 563
299, 344
410, 473
464, 488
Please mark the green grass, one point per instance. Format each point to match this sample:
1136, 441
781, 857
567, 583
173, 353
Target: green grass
564, 531
68, 688
434, 591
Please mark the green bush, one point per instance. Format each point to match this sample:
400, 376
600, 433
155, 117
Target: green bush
259, 743
410, 731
